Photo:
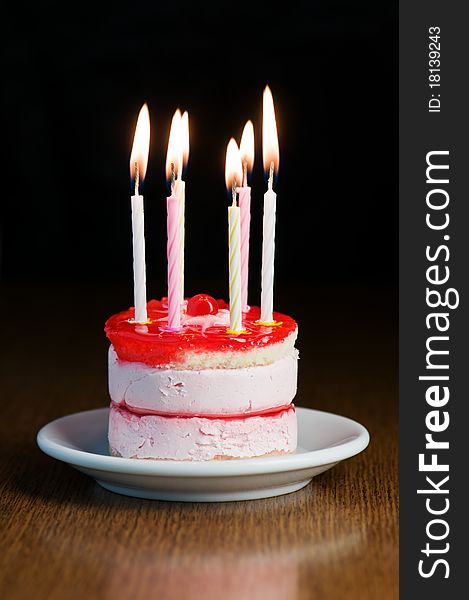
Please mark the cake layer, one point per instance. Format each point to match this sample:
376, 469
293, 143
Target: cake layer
196, 438
205, 392
203, 342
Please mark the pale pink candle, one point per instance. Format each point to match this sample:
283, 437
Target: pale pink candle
174, 262
246, 150
244, 195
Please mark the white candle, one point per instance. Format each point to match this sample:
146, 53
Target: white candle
138, 165
138, 238
270, 153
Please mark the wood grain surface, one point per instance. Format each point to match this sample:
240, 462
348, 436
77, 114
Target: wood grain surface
63, 537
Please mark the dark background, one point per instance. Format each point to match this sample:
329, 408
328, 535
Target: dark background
76, 78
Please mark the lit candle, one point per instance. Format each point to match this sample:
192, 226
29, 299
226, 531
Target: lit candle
138, 167
180, 191
270, 152
233, 176
175, 222
247, 159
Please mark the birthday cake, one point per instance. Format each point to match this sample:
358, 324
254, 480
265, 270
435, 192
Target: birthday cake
202, 392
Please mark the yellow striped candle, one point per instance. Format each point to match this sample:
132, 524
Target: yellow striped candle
235, 267
233, 177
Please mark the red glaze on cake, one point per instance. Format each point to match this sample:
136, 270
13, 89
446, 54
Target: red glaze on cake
156, 346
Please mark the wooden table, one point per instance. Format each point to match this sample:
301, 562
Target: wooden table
63, 537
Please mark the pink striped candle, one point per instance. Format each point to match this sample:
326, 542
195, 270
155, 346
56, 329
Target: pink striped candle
174, 262
178, 151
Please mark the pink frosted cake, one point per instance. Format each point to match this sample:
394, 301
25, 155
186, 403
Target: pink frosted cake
201, 393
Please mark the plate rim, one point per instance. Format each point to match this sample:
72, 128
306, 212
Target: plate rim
200, 469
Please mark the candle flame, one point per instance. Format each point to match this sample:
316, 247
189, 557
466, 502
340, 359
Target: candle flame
270, 151
178, 144
233, 167
246, 147
141, 145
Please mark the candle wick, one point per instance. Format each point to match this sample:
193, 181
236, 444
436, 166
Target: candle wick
233, 192
271, 175
245, 174
137, 178
173, 178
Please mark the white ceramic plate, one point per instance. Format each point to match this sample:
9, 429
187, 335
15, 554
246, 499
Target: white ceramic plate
324, 439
